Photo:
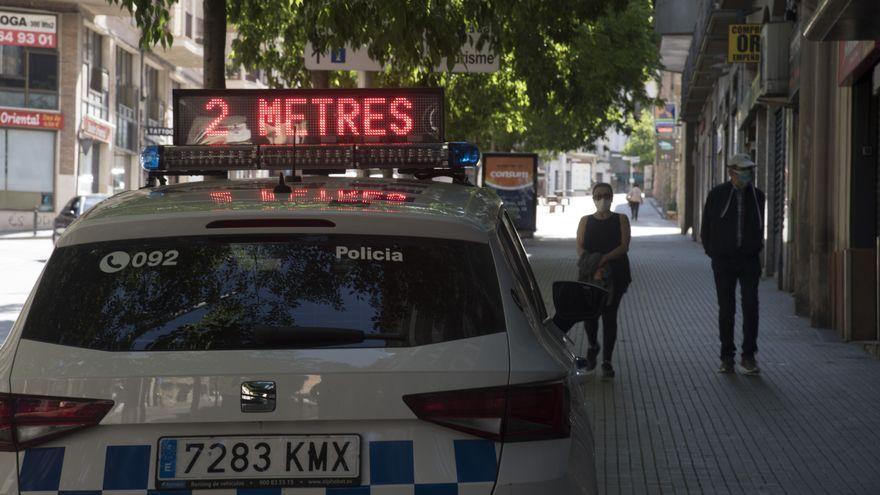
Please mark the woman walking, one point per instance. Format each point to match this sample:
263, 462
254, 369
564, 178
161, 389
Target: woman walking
604, 235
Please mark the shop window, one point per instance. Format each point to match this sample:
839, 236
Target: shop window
28, 77
27, 165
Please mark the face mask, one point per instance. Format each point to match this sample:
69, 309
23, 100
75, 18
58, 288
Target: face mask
745, 176
602, 205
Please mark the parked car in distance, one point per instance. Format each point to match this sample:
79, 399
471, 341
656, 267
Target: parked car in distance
72, 210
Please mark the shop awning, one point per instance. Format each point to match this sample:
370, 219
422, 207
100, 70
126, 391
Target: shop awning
844, 20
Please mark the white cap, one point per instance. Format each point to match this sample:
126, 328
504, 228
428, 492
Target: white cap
741, 160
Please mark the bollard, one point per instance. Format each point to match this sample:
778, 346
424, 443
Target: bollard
35, 221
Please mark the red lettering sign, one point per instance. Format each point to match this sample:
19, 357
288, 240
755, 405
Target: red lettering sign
308, 116
30, 119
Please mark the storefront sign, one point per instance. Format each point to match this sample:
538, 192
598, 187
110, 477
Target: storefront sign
30, 119
26, 29
95, 128
853, 58
744, 43
514, 177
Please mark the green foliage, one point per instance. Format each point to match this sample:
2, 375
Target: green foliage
570, 69
152, 17
641, 141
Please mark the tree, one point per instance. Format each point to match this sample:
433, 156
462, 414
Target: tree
641, 141
570, 68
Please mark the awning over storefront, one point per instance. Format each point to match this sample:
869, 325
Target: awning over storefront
844, 20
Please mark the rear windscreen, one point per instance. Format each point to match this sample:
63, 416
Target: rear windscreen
303, 291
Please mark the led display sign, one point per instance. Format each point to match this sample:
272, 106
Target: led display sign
308, 116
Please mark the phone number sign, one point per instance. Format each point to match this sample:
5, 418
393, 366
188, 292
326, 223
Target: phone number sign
26, 29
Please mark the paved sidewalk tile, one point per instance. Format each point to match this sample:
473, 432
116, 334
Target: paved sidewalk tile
669, 423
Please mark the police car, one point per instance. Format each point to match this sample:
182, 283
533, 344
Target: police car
300, 334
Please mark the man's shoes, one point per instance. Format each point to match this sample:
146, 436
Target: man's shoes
749, 366
607, 370
727, 366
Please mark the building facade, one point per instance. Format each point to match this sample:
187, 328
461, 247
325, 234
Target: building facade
806, 110
79, 98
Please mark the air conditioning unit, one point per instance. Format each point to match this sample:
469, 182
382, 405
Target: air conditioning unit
775, 41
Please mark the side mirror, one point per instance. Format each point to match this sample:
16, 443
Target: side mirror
576, 302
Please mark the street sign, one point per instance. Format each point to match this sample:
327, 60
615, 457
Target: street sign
469, 60
345, 58
153, 130
744, 43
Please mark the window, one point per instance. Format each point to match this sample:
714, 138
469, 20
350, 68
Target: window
222, 292
27, 163
126, 101
516, 255
155, 103
96, 91
28, 77
189, 25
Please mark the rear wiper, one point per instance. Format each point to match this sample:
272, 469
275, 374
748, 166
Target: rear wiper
300, 336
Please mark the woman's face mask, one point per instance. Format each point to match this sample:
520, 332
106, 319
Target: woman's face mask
603, 202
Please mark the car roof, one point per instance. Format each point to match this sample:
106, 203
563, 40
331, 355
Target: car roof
474, 208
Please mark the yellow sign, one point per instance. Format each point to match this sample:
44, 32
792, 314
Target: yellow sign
744, 43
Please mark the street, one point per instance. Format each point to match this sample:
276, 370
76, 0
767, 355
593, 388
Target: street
21, 259
668, 422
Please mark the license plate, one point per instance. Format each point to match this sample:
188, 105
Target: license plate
258, 461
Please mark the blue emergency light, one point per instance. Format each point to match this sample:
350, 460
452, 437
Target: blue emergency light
192, 160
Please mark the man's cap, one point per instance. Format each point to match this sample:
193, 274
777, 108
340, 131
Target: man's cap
741, 160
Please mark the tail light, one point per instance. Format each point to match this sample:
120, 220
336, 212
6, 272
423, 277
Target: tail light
515, 413
28, 420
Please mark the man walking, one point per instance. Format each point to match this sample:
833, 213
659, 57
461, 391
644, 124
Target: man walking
634, 198
732, 232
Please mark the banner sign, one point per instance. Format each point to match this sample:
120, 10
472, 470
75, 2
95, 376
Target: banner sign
27, 29
95, 128
514, 177
30, 119
744, 43
308, 116
475, 56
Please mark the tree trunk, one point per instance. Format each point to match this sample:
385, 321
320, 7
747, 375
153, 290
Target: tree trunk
214, 69
320, 79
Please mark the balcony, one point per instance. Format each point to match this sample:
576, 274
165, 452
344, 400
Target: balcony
674, 21
707, 55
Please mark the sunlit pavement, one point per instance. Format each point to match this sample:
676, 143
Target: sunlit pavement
21, 260
670, 423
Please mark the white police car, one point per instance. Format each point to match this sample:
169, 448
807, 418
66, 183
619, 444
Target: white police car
325, 335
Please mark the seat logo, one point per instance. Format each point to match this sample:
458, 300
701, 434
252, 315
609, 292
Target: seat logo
258, 396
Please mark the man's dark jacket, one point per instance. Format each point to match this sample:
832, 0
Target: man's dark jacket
718, 229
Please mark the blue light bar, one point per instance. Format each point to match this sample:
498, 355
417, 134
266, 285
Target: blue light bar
150, 158
463, 154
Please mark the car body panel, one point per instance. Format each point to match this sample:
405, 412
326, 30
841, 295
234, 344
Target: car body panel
321, 391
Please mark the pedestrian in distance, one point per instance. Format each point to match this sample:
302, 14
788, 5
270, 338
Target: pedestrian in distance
732, 233
634, 198
602, 246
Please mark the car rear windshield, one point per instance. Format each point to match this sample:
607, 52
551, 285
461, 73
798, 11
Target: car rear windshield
303, 291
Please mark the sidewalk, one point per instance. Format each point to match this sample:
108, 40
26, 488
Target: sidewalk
669, 423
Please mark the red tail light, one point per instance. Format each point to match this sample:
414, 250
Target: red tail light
516, 413
28, 420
